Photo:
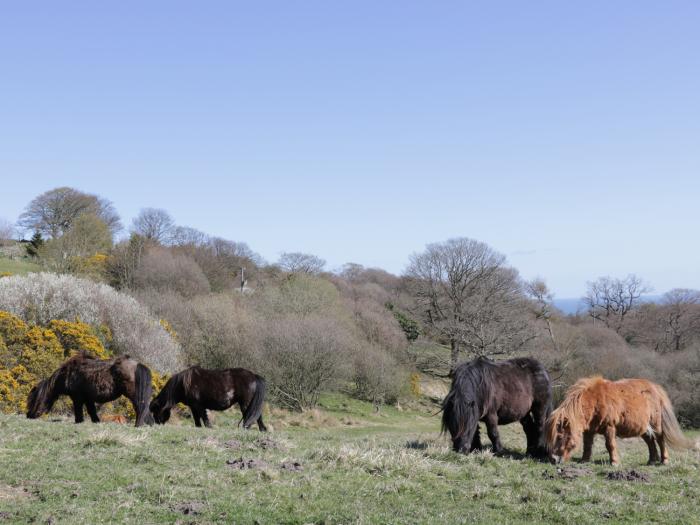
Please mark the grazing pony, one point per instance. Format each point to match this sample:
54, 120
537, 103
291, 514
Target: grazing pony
202, 389
497, 393
624, 408
87, 381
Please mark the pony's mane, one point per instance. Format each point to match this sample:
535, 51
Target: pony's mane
169, 390
571, 409
468, 395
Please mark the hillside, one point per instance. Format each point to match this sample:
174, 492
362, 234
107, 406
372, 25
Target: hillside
12, 259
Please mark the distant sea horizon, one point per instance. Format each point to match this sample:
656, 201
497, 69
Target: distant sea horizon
572, 305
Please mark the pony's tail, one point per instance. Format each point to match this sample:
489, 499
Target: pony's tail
42, 397
254, 409
673, 435
144, 391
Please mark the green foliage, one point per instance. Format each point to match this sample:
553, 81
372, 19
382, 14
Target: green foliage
74, 251
409, 326
34, 245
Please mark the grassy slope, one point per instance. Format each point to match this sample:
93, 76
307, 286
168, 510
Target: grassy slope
360, 467
17, 266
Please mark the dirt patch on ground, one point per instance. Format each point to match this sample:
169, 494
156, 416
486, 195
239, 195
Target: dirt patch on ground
628, 475
190, 508
293, 466
567, 473
233, 444
246, 464
266, 443
8, 492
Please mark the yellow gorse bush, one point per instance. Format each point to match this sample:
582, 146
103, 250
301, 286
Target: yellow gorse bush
78, 337
29, 354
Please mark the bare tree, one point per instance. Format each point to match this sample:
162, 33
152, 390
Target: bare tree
186, 236
469, 297
296, 262
7, 231
53, 212
154, 224
681, 313
611, 300
543, 309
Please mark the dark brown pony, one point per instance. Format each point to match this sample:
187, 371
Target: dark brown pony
202, 390
87, 381
497, 393
624, 408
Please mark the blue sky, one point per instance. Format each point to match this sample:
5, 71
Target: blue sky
565, 136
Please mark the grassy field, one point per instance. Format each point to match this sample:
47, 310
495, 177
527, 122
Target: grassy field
17, 266
352, 466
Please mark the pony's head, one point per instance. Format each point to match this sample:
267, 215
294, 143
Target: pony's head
40, 399
563, 436
161, 414
566, 424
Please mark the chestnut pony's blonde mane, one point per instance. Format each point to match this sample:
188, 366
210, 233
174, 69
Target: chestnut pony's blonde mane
571, 409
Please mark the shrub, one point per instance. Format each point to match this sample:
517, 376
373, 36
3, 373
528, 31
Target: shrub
377, 376
40, 298
162, 270
27, 354
78, 337
303, 356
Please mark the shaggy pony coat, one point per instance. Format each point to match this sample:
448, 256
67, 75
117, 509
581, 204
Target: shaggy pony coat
624, 408
201, 389
87, 381
497, 393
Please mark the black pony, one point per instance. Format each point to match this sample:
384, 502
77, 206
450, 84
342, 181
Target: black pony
498, 393
87, 381
202, 389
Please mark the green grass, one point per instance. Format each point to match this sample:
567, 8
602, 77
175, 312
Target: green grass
17, 266
358, 467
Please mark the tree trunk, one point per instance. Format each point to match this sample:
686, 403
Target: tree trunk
454, 356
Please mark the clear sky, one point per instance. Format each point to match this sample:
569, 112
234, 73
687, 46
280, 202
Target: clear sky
565, 135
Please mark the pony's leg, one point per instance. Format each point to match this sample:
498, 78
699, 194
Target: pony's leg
476, 442
92, 411
205, 418
663, 449
588, 438
651, 444
611, 445
242, 404
530, 434
78, 410
261, 425
196, 416
539, 421
492, 431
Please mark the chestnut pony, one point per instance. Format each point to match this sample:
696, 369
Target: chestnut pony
87, 381
624, 408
